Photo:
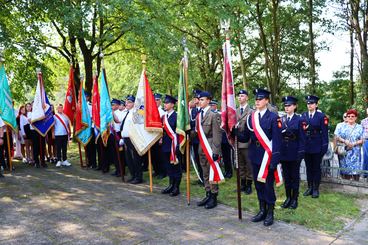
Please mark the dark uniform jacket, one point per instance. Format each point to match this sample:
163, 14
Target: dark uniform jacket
242, 124
166, 140
293, 138
211, 127
316, 131
271, 125
193, 115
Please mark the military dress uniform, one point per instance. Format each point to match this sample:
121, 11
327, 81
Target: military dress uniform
211, 123
316, 130
292, 152
271, 125
245, 167
194, 139
173, 170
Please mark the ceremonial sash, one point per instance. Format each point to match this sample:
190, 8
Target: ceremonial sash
267, 146
216, 175
172, 135
63, 123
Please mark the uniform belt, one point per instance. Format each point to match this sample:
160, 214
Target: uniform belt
313, 132
289, 138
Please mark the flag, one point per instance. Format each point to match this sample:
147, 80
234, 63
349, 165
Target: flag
228, 108
42, 117
82, 119
96, 107
147, 126
6, 101
70, 97
182, 121
106, 117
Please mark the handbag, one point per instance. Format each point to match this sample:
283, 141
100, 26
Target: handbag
341, 148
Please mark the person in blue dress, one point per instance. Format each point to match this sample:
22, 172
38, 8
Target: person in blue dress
292, 151
351, 134
316, 145
264, 127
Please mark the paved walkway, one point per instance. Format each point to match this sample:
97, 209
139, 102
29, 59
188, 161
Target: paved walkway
74, 206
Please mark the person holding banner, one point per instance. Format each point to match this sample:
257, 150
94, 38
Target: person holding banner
169, 147
62, 135
292, 151
209, 134
114, 138
263, 129
245, 167
2, 160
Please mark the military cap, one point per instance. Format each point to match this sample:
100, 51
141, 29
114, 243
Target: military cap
205, 94
170, 99
311, 99
115, 101
261, 93
289, 100
130, 97
243, 91
196, 93
213, 102
157, 96
122, 102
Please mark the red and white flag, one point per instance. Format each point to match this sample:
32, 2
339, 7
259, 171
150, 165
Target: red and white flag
96, 108
228, 108
70, 98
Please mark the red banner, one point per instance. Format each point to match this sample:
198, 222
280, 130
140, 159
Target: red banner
70, 97
95, 104
152, 120
78, 115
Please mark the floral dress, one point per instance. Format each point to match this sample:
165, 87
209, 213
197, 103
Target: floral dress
351, 163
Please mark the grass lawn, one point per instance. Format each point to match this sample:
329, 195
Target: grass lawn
328, 213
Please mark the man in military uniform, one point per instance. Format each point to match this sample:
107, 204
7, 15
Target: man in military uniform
214, 106
264, 132
115, 136
292, 151
245, 167
134, 160
210, 122
194, 140
316, 130
169, 146
158, 166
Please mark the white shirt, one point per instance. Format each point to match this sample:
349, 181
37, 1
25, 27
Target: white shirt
120, 116
262, 112
29, 117
291, 116
311, 113
206, 109
2, 124
59, 127
244, 106
89, 104
127, 124
23, 120
169, 113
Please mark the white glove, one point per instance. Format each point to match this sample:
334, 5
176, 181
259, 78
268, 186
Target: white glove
121, 142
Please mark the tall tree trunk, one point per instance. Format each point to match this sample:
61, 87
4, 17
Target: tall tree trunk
351, 73
312, 58
242, 66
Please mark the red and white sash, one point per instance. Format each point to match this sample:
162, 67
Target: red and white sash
267, 146
63, 123
170, 132
216, 175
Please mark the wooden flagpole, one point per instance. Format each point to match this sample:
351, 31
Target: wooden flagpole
79, 144
9, 151
144, 58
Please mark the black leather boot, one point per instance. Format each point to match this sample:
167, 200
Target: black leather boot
286, 203
176, 188
212, 202
169, 189
294, 199
261, 215
309, 191
315, 193
269, 217
248, 187
204, 200
243, 184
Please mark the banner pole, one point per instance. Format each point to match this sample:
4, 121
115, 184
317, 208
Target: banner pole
9, 151
150, 170
238, 178
80, 155
188, 169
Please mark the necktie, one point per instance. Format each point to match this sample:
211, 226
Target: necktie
259, 116
310, 116
288, 120
241, 111
202, 112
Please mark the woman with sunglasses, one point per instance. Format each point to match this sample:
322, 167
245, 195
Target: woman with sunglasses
350, 134
292, 150
316, 145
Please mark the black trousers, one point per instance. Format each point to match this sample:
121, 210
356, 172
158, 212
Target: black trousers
61, 142
2, 159
227, 152
157, 165
134, 160
91, 151
313, 163
39, 147
265, 191
196, 156
291, 173
172, 170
